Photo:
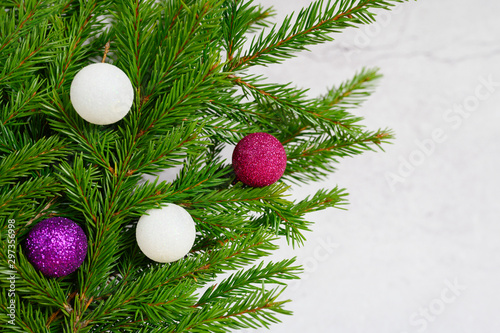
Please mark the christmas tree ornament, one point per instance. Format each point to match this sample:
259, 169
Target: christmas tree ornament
101, 93
56, 246
166, 234
259, 159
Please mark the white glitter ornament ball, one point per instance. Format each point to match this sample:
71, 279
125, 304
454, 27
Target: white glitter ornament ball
101, 93
166, 234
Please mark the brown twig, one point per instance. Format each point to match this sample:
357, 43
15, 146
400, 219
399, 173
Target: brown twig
42, 212
106, 50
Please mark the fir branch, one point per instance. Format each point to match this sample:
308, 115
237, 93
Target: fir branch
11, 140
349, 94
23, 63
256, 309
352, 93
228, 117
20, 104
230, 255
80, 29
161, 154
187, 95
251, 310
322, 199
223, 213
197, 177
82, 188
133, 23
24, 40
241, 18
293, 105
30, 284
103, 254
324, 152
250, 280
19, 200
93, 141
43, 211
221, 128
240, 196
144, 197
187, 37
259, 17
31, 158
159, 306
220, 224
31, 322
313, 25
282, 220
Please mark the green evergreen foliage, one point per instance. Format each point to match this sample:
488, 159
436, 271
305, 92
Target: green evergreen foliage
190, 64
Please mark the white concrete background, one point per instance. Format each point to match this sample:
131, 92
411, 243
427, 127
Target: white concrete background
422, 254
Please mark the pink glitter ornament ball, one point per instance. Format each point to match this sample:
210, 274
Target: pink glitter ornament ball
259, 159
56, 246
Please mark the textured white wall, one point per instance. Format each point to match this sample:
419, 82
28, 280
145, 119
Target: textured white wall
422, 254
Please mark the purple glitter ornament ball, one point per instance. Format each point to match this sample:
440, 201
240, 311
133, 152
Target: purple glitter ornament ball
56, 246
259, 159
